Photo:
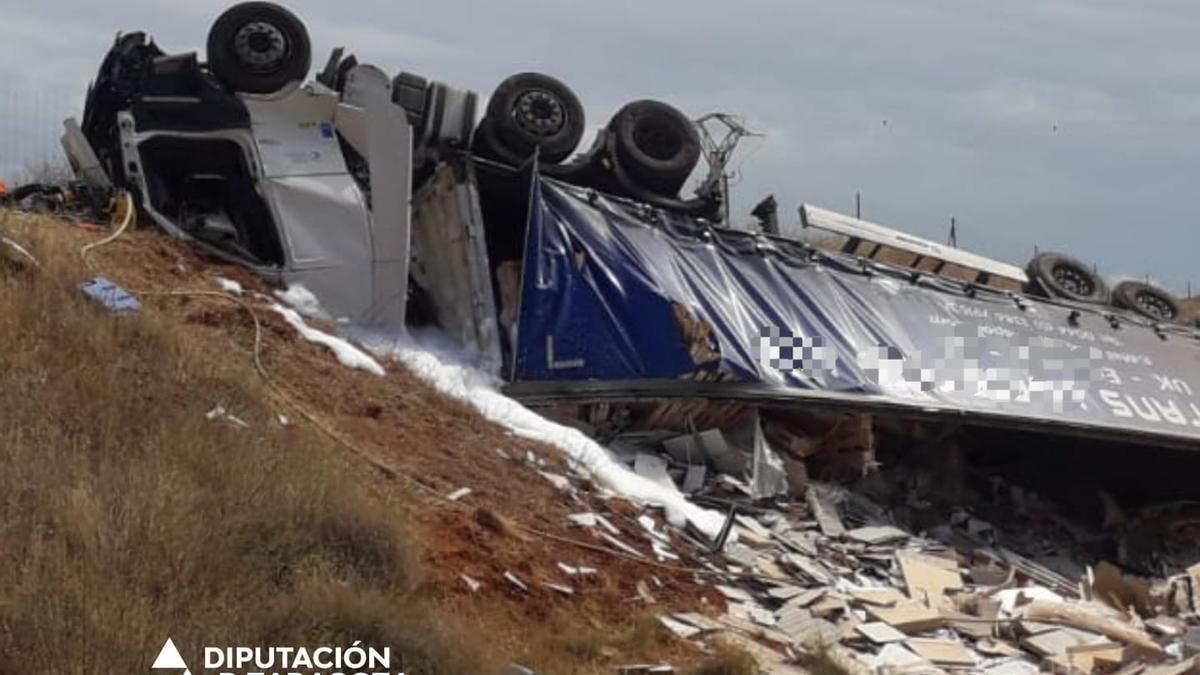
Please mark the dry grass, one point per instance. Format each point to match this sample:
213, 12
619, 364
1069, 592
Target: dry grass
579, 649
126, 516
727, 661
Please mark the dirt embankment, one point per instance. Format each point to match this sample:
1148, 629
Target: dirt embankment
108, 422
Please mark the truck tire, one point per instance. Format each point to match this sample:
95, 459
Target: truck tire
529, 111
656, 145
485, 144
258, 48
411, 92
1149, 301
1058, 276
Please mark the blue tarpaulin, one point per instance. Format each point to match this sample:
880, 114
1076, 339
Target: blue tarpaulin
615, 292
110, 295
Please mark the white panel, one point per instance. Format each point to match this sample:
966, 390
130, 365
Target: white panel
832, 221
323, 218
295, 135
450, 261
323, 223
390, 161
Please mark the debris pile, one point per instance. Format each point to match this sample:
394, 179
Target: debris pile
820, 570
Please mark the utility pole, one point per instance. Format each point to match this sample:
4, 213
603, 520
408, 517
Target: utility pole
858, 205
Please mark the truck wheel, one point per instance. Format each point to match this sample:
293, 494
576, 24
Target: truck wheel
656, 145
485, 144
258, 48
1058, 276
1149, 301
410, 92
530, 111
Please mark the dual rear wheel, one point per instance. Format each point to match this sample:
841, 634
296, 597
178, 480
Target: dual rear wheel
1058, 276
652, 143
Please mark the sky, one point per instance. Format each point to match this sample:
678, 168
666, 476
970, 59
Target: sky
1067, 125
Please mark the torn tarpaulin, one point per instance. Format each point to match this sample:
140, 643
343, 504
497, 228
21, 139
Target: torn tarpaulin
605, 286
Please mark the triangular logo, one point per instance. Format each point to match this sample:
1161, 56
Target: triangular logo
169, 657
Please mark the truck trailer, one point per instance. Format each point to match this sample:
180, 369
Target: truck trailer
584, 275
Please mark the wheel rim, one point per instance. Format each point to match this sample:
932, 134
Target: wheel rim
260, 46
540, 113
659, 140
1073, 280
1154, 305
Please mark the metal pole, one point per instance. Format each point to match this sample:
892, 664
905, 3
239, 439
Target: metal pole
725, 197
858, 205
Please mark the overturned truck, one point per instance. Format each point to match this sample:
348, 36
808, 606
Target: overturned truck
588, 279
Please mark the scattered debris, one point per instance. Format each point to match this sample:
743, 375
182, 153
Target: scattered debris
621, 545
704, 623
646, 669
825, 512
835, 570
558, 481
1191, 642
565, 590
110, 295
472, 584
885, 534
220, 413
684, 630
644, 593
458, 494
578, 571
941, 652
515, 581
16, 253
880, 633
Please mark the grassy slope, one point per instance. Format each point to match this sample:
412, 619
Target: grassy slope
127, 516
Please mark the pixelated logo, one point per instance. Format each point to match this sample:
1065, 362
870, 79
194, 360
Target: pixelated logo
1041, 371
884, 365
779, 349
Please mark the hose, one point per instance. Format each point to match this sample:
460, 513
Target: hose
127, 200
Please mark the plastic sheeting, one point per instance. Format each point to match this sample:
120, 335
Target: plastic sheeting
620, 293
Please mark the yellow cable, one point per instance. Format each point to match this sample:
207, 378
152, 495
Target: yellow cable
127, 200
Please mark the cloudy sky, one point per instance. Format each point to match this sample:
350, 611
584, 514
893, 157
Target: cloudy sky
1067, 124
